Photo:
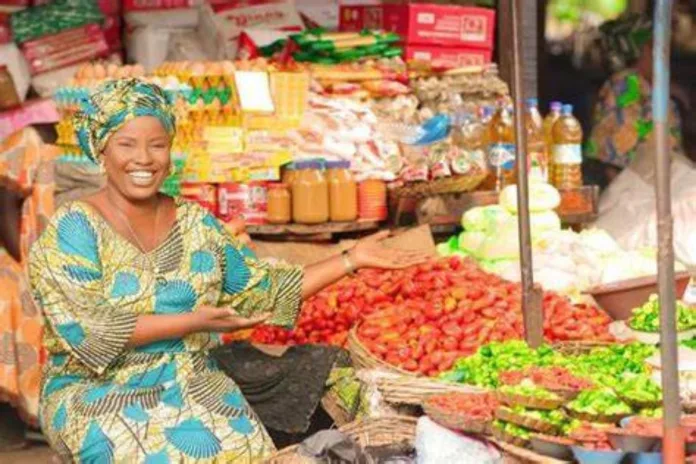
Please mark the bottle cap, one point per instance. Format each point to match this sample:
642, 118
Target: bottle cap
556, 106
341, 164
532, 102
567, 109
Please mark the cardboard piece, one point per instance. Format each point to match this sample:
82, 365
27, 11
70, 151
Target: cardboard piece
416, 239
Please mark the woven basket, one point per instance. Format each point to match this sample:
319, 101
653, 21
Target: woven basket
454, 184
332, 405
579, 347
529, 402
404, 387
511, 439
370, 432
597, 418
527, 422
568, 394
640, 404
689, 407
456, 421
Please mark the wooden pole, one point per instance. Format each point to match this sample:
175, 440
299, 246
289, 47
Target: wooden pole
673, 440
531, 296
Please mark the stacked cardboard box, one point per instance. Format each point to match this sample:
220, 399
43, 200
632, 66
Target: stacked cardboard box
450, 34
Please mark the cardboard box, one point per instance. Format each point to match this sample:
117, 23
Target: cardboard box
5, 30
448, 56
112, 32
354, 18
441, 25
65, 48
154, 5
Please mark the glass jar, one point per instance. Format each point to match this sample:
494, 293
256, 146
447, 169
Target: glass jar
289, 174
372, 200
343, 192
310, 194
279, 204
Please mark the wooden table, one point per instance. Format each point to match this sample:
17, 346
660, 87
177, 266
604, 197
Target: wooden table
318, 232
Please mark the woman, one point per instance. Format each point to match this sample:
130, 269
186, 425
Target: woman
622, 120
135, 287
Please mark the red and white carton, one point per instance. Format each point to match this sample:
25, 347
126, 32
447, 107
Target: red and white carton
423, 23
248, 201
205, 195
108, 7
10, 6
65, 48
112, 32
448, 56
157, 5
5, 29
354, 17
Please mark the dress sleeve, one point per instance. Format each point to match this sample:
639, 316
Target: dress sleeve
65, 272
251, 286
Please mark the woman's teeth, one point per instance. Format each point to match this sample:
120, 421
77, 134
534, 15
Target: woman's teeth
143, 178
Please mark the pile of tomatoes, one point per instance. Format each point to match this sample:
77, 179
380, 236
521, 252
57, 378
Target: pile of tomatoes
477, 406
424, 317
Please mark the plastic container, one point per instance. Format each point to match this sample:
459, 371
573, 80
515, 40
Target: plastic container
567, 151
501, 150
588, 456
310, 194
372, 200
289, 174
279, 204
618, 299
343, 192
550, 448
537, 154
550, 119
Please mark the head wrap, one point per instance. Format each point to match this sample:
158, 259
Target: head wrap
622, 39
115, 103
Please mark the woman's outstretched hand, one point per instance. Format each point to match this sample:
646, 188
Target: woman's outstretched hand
212, 319
371, 252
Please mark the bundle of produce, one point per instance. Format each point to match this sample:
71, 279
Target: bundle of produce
556, 379
600, 405
423, 318
322, 47
564, 261
528, 395
645, 321
466, 412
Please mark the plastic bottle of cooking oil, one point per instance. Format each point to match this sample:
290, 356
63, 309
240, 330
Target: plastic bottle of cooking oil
501, 149
470, 138
549, 121
537, 154
567, 151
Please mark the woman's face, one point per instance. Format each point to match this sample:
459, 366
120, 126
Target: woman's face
137, 158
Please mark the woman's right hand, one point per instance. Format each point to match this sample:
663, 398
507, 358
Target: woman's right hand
212, 319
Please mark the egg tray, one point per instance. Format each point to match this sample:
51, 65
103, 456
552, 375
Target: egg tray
527, 422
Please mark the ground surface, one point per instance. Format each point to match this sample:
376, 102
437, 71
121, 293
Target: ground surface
34, 454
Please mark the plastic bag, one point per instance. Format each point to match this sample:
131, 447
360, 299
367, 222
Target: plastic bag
438, 445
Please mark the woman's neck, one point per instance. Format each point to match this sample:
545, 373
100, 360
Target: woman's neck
147, 206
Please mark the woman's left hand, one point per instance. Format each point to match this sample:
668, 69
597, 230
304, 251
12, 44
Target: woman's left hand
371, 252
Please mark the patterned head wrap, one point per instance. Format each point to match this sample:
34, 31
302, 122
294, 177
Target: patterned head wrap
115, 103
623, 39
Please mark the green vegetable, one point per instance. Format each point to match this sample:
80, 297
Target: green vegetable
554, 417
646, 318
512, 429
655, 413
639, 388
527, 388
602, 402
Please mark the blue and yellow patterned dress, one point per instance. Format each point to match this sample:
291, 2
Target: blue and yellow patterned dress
102, 402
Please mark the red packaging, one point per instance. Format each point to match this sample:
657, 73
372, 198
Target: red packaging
248, 201
355, 18
5, 31
448, 56
59, 42
423, 23
203, 194
10, 6
112, 32
108, 7
154, 5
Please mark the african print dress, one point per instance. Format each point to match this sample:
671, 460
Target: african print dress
165, 402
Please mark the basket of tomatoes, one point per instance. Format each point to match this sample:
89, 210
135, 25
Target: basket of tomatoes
464, 412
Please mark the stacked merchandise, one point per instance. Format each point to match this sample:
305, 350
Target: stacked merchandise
447, 34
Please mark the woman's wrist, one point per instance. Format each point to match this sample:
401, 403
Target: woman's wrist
196, 322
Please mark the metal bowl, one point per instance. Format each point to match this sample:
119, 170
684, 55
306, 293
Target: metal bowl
551, 449
588, 456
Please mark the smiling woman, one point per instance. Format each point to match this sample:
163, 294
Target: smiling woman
135, 287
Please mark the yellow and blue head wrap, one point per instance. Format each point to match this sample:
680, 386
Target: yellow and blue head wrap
115, 103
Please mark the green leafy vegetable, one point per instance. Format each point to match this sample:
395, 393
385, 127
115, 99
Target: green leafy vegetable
646, 318
602, 402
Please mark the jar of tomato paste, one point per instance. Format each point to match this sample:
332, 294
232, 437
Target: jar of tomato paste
372, 200
343, 192
279, 204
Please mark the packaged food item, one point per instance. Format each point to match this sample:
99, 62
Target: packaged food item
567, 151
501, 150
343, 192
203, 194
537, 154
288, 175
310, 194
247, 201
372, 200
279, 204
